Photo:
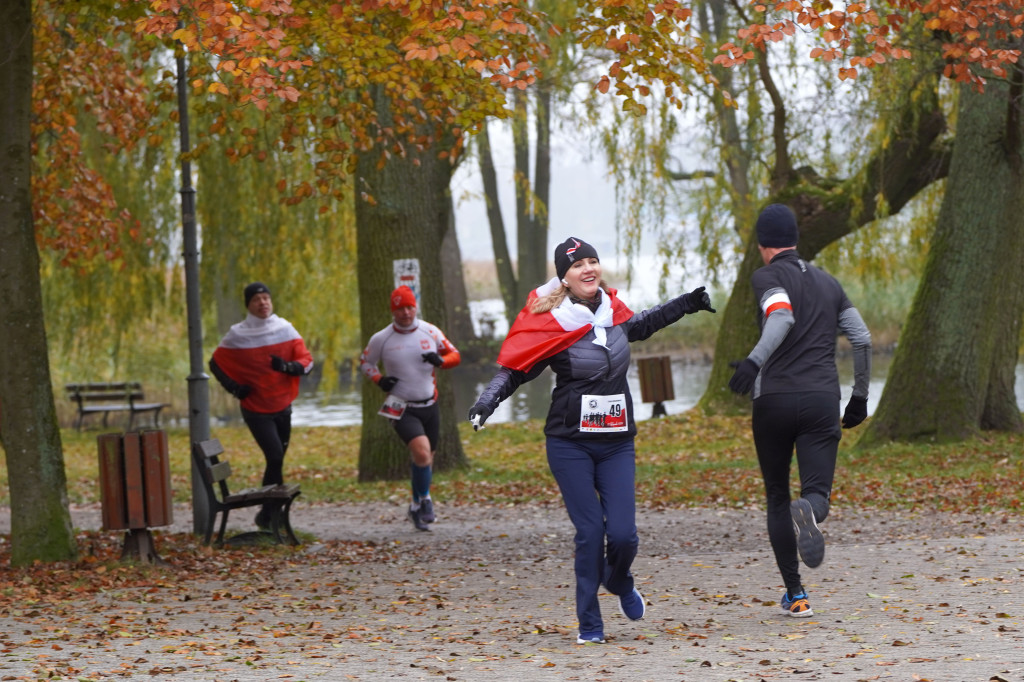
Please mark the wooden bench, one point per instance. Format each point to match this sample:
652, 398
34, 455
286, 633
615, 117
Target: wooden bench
215, 472
126, 396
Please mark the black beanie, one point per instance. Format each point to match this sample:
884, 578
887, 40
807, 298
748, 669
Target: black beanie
776, 227
570, 251
253, 289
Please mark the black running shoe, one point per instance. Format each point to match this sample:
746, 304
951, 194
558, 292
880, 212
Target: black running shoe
263, 519
809, 540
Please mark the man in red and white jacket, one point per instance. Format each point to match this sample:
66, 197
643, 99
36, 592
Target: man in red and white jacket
411, 349
259, 361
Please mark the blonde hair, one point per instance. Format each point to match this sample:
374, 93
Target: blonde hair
545, 304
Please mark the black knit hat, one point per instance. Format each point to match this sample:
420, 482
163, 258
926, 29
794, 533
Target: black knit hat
253, 289
570, 251
776, 227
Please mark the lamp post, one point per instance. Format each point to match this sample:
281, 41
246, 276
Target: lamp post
198, 381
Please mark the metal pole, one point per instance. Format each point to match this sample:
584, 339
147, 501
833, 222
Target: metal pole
198, 381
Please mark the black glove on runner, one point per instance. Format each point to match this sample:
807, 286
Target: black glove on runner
241, 391
294, 367
856, 412
433, 358
387, 383
743, 378
481, 411
698, 300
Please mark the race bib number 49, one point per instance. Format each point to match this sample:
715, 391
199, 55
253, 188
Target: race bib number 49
603, 413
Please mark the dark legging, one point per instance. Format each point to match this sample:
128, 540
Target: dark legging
597, 483
271, 432
810, 423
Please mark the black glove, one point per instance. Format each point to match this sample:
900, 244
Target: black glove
481, 411
743, 378
698, 300
433, 358
387, 383
856, 412
241, 391
294, 367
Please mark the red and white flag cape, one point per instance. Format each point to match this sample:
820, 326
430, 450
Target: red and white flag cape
536, 336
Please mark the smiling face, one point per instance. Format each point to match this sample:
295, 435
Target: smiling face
261, 306
583, 278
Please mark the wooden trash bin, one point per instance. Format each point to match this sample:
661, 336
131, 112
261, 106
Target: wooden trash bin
656, 382
135, 488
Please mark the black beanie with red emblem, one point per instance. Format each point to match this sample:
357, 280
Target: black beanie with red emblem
570, 251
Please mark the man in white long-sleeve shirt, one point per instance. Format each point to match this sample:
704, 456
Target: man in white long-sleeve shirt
411, 350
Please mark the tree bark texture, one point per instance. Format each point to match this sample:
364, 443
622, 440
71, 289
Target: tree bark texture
456, 300
826, 212
499, 239
532, 203
402, 211
952, 375
40, 521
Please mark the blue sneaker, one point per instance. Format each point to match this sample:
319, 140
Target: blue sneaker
809, 540
796, 606
632, 605
590, 638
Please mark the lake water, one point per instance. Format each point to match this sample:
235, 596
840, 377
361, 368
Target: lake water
531, 400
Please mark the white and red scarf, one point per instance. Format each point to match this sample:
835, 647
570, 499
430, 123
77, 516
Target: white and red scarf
244, 355
536, 336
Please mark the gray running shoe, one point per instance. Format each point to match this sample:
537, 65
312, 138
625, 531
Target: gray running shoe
809, 540
417, 519
427, 510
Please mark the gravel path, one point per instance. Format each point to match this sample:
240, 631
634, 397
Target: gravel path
488, 595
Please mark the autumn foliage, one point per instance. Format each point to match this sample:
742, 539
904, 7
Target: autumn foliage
80, 81
973, 35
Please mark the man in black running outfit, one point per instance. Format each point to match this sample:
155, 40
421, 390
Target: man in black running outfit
792, 373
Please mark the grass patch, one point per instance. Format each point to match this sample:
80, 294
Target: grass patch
687, 460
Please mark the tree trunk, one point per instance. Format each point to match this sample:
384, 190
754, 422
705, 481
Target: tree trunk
533, 263
40, 521
499, 239
402, 211
532, 202
952, 374
456, 301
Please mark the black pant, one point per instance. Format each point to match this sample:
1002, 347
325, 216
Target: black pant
810, 423
271, 432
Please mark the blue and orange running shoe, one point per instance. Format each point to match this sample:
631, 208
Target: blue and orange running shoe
796, 606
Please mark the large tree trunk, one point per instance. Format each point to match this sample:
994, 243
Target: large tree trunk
402, 211
952, 374
905, 166
40, 521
